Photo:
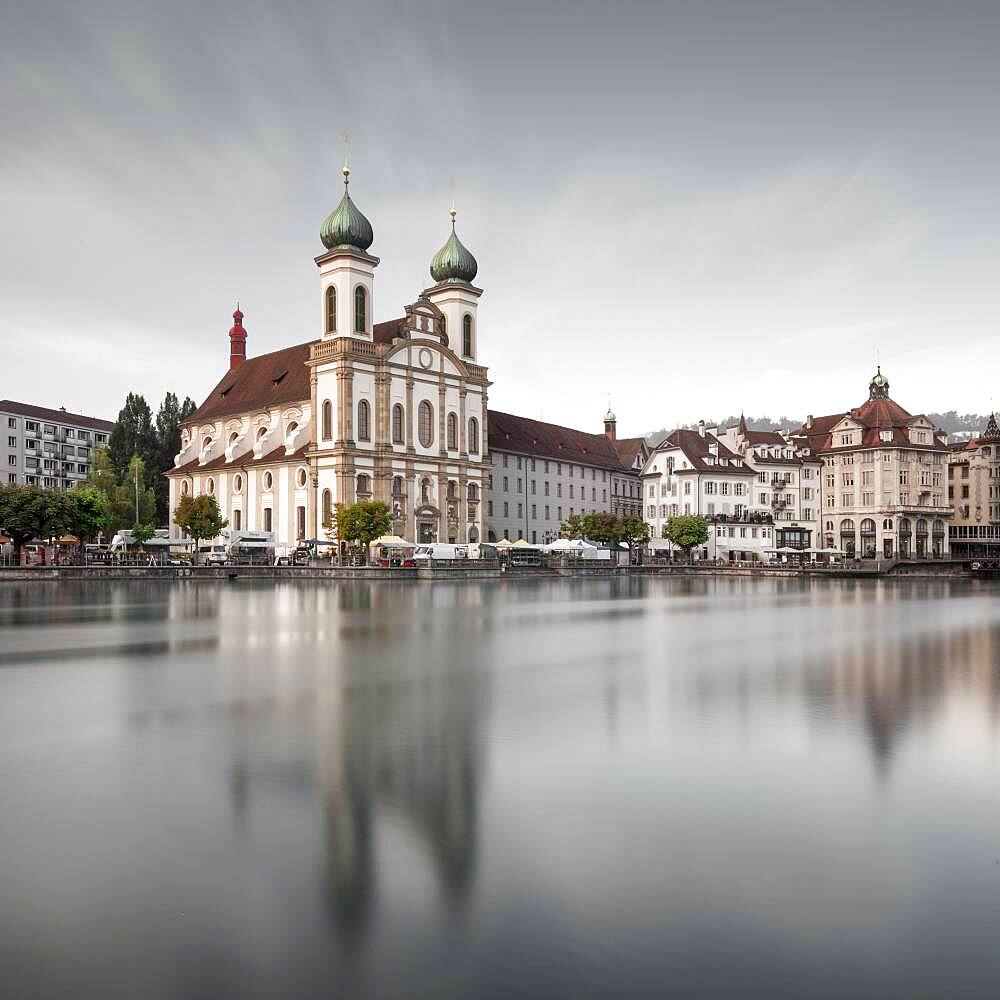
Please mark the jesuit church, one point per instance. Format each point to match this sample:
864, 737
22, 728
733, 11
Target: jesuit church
393, 411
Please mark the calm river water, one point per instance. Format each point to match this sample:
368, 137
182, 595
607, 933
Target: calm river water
634, 788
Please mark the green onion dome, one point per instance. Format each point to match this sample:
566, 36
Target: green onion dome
453, 262
345, 226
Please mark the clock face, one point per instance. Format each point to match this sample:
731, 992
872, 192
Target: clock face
425, 358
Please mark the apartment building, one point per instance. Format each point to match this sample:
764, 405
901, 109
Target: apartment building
46, 447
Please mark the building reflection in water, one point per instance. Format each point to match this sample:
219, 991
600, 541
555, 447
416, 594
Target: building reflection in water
388, 734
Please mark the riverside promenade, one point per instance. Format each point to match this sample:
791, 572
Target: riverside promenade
471, 570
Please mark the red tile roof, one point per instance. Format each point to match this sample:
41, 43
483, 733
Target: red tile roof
507, 432
628, 449
696, 450
874, 415
266, 380
55, 416
385, 333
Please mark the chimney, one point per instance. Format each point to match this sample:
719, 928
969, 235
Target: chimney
237, 341
809, 421
713, 448
701, 427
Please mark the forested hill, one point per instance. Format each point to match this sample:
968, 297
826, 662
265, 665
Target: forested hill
952, 422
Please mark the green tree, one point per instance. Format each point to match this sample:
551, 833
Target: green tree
142, 533
133, 434
363, 522
28, 512
121, 493
89, 509
686, 532
200, 517
573, 527
603, 527
168, 443
633, 531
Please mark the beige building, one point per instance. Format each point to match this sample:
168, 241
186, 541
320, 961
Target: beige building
392, 411
884, 493
974, 492
787, 487
542, 474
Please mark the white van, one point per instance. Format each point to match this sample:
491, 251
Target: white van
441, 550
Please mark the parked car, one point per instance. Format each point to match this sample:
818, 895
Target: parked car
213, 555
441, 550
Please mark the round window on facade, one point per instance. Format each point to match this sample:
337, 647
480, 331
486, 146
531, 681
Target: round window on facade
300, 477
267, 480
184, 488
210, 486
238, 483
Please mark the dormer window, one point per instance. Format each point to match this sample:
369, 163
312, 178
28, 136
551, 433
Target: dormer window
278, 376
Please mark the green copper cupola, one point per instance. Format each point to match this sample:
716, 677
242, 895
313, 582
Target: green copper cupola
346, 227
453, 262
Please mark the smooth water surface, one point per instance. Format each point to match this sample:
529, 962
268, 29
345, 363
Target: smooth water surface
590, 788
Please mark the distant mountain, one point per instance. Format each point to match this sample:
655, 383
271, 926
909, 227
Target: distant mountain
966, 425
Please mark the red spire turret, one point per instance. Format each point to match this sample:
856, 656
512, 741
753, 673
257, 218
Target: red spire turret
237, 340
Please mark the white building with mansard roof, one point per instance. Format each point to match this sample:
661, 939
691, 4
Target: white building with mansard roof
393, 411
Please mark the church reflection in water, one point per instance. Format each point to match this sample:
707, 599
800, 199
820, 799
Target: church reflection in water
388, 747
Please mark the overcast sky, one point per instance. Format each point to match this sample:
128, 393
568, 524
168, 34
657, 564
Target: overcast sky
699, 208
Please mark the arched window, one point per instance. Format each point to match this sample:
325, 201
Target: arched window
397, 486
184, 488
327, 419
210, 486
206, 444
360, 309
473, 436
364, 485
467, 335
364, 422
331, 309
237, 484
425, 423
268, 481
397, 424
452, 432
261, 433
233, 437
425, 490
327, 507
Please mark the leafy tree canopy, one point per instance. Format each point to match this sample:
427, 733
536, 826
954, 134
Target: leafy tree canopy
200, 517
363, 521
133, 434
633, 531
686, 531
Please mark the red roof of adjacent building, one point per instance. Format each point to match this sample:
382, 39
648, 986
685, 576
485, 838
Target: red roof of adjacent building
628, 449
266, 380
697, 449
55, 416
507, 432
875, 416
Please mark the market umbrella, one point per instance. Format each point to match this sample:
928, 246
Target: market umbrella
505, 543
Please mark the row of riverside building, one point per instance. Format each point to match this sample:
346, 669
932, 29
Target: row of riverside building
398, 411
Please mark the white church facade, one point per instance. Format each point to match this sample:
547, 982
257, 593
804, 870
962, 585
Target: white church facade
393, 411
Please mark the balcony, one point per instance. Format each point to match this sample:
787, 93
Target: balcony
747, 517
